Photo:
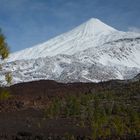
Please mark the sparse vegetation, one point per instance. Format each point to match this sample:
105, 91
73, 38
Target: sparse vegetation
108, 113
97, 112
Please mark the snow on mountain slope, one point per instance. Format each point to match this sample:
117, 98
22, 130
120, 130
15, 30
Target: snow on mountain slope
125, 51
65, 68
91, 52
90, 34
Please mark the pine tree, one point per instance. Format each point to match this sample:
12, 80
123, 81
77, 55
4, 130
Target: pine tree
8, 77
4, 51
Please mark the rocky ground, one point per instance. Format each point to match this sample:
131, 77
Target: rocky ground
22, 114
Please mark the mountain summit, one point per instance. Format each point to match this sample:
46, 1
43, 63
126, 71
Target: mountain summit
89, 34
94, 27
91, 52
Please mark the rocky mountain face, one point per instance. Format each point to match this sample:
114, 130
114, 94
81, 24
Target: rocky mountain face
136, 78
91, 52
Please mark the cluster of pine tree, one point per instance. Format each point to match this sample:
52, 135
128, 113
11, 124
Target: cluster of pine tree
109, 113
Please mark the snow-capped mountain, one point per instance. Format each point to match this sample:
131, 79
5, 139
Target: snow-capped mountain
91, 52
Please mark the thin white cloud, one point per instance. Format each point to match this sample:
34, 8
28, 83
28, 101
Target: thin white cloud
134, 29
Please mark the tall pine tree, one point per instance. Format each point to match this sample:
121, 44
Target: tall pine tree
4, 51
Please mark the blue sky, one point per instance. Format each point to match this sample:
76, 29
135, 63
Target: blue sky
29, 22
